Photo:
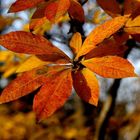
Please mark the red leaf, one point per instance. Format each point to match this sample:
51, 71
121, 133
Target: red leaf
107, 47
25, 42
76, 11
86, 85
56, 9
111, 7
20, 5
53, 95
28, 82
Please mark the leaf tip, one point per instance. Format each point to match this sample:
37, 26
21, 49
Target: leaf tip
10, 10
94, 102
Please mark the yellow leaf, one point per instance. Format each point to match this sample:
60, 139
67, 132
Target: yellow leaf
9, 71
110, 67
133, 22
132, 30
76, 42
5, 55
31, 63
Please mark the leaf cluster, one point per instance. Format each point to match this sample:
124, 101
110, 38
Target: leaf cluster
51, 70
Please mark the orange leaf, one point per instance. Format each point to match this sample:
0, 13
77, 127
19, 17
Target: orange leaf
135, 22
35, 23
20, 5
132, 30
28, 82
86, 85
110, 6
25, 42
54, 10
53, 95
100, 33
110, 67
76, 42
76, 11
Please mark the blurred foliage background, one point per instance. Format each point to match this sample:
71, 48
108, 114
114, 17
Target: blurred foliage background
77, 120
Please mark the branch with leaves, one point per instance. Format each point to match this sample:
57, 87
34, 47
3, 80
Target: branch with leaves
51, 70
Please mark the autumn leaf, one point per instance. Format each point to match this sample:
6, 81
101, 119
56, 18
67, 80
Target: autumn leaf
111, 7
54, 10
76, 11
40, 10
100, 33
31, 63
86, 85
132, 30
28, 82
53, 95
133, 22
5, 55
40, 25
129, 8
133, 25
107, 47
110, 67
114, 8
76, 42
20, 5
25, 42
